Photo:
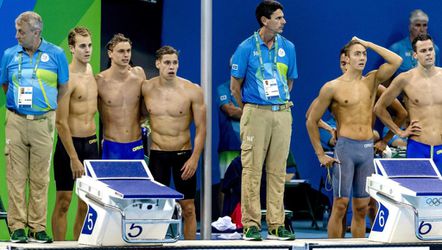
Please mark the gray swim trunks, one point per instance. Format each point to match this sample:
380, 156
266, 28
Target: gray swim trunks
356, 164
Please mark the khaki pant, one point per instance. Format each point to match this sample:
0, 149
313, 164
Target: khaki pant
28, 153
265, 136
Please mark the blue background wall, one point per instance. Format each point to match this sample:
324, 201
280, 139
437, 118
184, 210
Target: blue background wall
318, 28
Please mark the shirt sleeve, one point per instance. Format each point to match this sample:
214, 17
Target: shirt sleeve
63, 68
239, 61
3, 69
223, 95
293, 67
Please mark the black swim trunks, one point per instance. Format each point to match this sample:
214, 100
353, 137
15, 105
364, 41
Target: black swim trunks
163, 163
87, 148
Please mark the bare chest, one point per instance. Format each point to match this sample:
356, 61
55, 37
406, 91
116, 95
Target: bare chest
168, 102
85, 89
352, 96
119, 94
424, 92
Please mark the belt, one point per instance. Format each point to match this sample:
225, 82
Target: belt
274, 108
29, 117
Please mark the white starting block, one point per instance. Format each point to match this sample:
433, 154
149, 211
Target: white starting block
409, 195
126, 206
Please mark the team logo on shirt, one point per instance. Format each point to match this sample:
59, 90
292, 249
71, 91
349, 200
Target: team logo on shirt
235, 66
223, 97
44, 57
281, 52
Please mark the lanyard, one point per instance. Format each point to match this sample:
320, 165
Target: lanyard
20, 61
275, 54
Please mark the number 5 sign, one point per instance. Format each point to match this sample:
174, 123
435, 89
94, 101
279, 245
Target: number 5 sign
89, 222
134, 230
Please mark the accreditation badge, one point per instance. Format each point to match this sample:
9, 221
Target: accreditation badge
271, 88
25, 96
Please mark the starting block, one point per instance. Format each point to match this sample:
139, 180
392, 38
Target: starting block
126, 205
409, 195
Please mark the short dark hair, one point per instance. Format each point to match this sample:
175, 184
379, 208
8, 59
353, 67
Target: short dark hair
420, 37
165, 50
82, 31
342, 51
266, 9
347, 46
116, 39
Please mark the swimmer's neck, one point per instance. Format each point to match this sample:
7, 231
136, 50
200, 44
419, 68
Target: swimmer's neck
168, 82
119, 70
426, 71
77, 66
351, 75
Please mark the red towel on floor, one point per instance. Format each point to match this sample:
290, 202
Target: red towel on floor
236, 216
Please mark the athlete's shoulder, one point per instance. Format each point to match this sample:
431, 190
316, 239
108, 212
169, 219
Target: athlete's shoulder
335, 82
192, 88
152, 80
407, 74
137, 70
404, 78
150, 83
187, 83
438, 69
102, 76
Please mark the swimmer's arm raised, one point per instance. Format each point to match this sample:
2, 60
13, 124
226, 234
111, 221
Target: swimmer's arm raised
393, 61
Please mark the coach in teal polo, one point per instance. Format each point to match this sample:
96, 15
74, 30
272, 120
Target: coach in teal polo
262, 74
34, 75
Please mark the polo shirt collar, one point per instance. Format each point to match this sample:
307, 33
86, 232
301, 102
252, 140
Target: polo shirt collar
43, 46
261, 42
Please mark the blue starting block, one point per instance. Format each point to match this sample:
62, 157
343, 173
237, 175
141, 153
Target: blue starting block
409, 195
126, 205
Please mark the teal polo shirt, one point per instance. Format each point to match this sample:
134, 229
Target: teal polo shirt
47, 68
246, 65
